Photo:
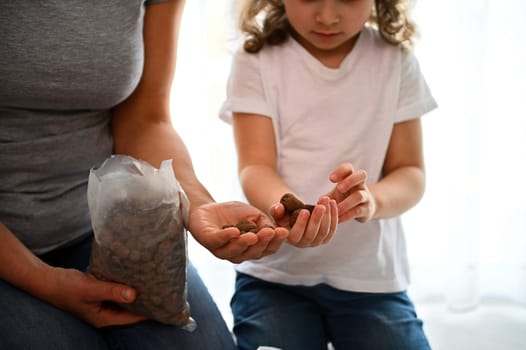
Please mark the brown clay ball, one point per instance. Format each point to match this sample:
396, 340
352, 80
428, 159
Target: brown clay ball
293, 206
245, 226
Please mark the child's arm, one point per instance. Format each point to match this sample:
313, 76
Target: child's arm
402, 184
263, 187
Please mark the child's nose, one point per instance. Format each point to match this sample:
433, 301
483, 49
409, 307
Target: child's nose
328, 13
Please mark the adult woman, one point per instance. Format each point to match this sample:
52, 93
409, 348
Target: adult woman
81, 81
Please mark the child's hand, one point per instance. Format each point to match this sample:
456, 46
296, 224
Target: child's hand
354, 199
311, 227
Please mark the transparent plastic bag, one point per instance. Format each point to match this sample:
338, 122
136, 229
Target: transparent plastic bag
138, 216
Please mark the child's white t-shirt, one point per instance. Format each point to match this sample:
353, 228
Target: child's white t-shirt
323, 117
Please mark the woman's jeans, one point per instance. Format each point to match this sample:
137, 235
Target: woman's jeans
29, 323
307, 318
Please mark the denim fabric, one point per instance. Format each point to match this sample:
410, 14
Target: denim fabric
307, 318
28, 323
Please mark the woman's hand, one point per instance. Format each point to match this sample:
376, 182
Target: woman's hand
206, 224
311, 229
355, 200
91, 299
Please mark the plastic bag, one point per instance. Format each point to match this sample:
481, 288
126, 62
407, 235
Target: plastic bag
138, 215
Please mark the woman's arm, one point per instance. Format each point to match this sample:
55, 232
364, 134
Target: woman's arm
141, 125
142, 128
67, 289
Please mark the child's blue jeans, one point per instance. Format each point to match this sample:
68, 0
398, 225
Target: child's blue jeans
29, 323
307, 318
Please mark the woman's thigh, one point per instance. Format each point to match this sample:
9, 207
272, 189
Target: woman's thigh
211, 331
374, 321
29, 323
274, 315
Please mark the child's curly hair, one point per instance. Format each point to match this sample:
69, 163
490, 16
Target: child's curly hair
390, 17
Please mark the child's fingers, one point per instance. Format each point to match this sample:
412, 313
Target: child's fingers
277, 211
341, 172
325, 228
297, 231
316, 226
355, 181
354, 199
334, 221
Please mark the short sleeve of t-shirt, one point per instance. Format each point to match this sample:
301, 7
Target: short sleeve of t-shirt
415, 98
245, 90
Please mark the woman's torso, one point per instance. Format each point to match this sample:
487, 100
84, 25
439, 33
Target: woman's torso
63, 66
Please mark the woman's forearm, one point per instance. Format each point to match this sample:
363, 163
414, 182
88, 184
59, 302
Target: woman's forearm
20, 267
154, 141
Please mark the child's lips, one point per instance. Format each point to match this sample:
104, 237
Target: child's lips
326, 35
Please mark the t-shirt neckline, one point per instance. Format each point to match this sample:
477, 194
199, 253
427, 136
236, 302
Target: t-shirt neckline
320, 68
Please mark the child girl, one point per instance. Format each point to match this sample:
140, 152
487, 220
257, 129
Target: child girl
325, 99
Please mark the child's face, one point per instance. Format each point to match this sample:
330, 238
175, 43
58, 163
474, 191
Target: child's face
324, 27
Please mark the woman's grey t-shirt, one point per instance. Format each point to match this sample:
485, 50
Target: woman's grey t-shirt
63, 66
